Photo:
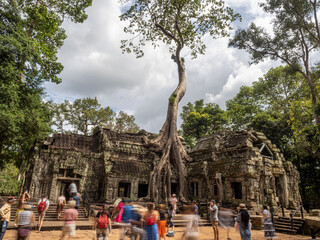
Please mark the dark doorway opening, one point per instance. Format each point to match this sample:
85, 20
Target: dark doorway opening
174, 188
278, 188
215, 190
124, 189
237, 190
142, 190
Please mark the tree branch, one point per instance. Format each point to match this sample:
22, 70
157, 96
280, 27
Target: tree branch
298, 14
166, 32
177, 26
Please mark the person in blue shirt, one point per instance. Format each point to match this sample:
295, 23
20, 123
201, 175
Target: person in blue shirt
127, 214
77, 198
196, 212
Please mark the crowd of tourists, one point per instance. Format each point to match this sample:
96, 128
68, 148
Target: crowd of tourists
137, 221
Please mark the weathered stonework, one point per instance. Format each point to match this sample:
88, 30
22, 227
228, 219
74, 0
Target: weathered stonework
230, 166
243, 166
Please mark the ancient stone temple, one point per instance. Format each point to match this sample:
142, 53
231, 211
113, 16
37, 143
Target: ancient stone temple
231, 167
105, 165
242, 166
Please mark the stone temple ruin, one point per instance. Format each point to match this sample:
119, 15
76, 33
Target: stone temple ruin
229, 166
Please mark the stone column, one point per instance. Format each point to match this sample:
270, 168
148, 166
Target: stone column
53, 188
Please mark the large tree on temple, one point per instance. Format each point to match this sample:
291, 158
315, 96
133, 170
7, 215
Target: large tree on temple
178, 24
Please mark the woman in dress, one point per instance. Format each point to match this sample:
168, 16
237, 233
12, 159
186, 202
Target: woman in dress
269, 231
243, 220
150, 220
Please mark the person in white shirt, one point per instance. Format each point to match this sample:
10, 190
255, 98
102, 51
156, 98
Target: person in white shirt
173, 202
72, 189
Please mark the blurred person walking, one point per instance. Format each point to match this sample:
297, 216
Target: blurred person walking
196, 213
190, 233
70, 216
162, 223
243, 222
25, 219
269, 231
226, 220
151, 223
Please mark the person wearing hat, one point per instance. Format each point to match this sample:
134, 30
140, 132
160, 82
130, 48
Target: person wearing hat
5, 213
25, 220
243, 220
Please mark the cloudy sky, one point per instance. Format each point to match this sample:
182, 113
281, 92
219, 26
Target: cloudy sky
95, 67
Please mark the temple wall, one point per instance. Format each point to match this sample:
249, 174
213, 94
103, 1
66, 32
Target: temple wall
231, 167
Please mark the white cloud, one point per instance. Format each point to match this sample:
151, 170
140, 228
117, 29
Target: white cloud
95, 67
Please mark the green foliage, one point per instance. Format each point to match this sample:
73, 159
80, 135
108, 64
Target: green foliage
87, 113
125, 123
201, 119
295, 38
243, 107
279, 105
30, 36
83, 115
174, 23
9, 185
172, 98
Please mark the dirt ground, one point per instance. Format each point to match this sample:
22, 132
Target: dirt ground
205, 234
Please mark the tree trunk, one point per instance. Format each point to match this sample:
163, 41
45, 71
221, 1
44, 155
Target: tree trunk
170, 146
314, 98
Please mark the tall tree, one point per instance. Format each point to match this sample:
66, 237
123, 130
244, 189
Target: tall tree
60, 112
295, 38
178, 24
87, 113
242, 108
200, 119
125, 123
30, 36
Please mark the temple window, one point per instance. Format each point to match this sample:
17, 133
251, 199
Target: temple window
237, 190
124, 189
142, 190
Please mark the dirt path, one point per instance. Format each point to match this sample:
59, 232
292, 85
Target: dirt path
205, 234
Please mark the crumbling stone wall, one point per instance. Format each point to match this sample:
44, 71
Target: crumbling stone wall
243, 166
230, 167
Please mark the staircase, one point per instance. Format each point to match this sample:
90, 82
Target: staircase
179, 221
51, 221
283, 224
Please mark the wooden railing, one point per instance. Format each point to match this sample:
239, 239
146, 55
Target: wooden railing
275, 211
295, 212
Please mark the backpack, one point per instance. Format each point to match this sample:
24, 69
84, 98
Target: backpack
41, 206
150, 219
103, 220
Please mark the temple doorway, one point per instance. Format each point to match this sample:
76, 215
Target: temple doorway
62, 188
